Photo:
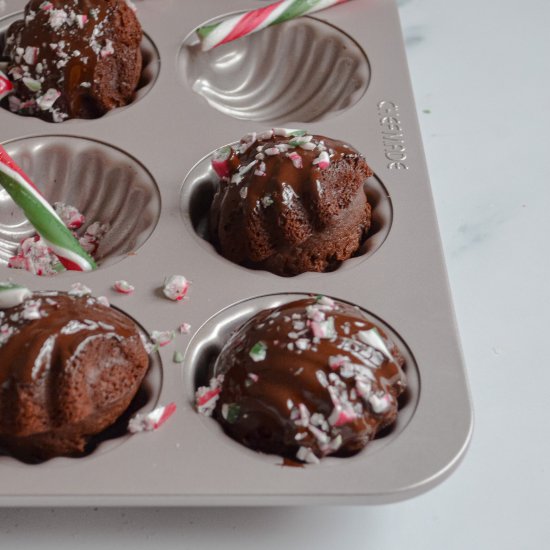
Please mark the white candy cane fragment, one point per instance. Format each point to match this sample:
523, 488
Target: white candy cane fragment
184, 328
175, 287
12, 294
79, 290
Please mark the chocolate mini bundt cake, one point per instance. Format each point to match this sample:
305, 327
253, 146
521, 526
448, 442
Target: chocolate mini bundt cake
305, 380
289, 202
73, 58
69, 367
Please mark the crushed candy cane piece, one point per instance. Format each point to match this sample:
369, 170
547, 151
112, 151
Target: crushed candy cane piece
79, 290
268, 134
47, 100
81, 20
177, 357
147, 422
108, 49
341, 416
94, 233
258, 352
36, 257
337, 361
6, 331
12, 294
175, 287
323, 160
70, 215
305, 454
103, 300
31, 55
207, 396
266, 201
32, 84
296, 159
373, 338
326, 301
220, 161
147, 344
380, 404
247, 142
162, 337
299, 140
57, 18
184, 328
31, 310
123, 287
323, 329
308, 146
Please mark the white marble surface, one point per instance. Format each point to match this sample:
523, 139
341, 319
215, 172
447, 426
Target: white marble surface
481, 70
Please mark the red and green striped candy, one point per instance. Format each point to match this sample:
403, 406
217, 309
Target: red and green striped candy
42, 216
229, 29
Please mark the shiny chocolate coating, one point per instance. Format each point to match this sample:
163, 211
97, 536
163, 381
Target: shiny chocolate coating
308, 379
291, 203
73, 58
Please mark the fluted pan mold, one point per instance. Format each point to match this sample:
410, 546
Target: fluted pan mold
104, 183
303, 70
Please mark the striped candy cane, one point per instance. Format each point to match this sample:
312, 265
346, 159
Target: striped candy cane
42, 216
240, 25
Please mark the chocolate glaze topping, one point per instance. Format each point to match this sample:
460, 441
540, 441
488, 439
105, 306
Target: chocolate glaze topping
52, 328
305, 380
73, 58
285, 193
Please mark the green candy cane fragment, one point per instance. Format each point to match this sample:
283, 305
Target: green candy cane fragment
258, 351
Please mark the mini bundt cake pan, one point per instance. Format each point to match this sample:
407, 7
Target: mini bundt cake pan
305, 70
102, 182
146, 170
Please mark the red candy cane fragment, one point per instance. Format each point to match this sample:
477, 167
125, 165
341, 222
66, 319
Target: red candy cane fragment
148, 422
123, 287
6, 87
